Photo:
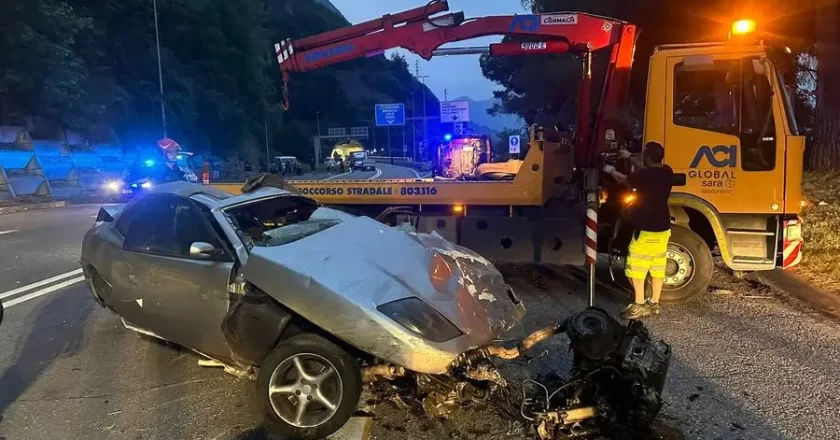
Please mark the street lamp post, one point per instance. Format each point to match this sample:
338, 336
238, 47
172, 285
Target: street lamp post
160, 69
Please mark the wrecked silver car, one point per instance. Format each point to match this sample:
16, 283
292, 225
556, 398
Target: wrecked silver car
271, 285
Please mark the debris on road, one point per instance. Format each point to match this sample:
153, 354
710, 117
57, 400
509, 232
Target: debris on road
613, 391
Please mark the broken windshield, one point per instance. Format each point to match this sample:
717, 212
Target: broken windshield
281, 220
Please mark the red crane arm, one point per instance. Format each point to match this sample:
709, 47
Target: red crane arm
417, 32
420, 31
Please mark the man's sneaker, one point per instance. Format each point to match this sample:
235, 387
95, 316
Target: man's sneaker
635, 311
654, 308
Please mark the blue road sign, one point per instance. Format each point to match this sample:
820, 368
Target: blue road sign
513, 145
390, 114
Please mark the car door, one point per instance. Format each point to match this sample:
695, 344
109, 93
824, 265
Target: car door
179, 297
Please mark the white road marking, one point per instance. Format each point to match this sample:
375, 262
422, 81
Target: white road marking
375, 176
40, 283
416, 174
337, 176
42, 292
11, 231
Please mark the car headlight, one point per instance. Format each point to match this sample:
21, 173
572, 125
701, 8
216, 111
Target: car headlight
420, 318
114, 185
146, 185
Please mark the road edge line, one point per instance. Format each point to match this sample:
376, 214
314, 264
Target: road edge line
37, 284
42, 292
375, 176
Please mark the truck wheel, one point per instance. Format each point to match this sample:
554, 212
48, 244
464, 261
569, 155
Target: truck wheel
689, 266
308, 387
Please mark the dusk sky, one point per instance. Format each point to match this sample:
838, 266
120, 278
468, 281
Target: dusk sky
460, 75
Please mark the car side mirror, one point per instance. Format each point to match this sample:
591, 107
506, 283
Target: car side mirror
202, 250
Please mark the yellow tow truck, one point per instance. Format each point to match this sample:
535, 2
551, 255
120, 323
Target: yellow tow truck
721, 110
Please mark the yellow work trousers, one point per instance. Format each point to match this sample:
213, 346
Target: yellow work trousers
647, 254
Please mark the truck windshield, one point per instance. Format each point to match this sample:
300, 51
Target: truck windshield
789, 113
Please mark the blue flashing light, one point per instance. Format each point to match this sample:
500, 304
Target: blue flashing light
149, 163
447, 137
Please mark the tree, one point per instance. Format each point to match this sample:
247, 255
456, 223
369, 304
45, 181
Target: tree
41, 71
548, 84
92, 65
825, 150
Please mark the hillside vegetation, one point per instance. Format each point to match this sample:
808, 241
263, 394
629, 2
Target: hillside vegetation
821, 217
91, 65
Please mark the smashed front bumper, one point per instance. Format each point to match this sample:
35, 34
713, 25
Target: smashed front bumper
339, 281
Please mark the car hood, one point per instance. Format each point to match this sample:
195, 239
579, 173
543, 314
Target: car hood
338, 277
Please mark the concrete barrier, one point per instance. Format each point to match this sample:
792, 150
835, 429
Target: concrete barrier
22, 174
90, 170
56, 161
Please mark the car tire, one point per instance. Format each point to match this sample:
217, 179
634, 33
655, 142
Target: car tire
687, 252
281, 388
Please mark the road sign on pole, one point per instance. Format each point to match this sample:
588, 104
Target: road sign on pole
454, 111
389, 114
513, 144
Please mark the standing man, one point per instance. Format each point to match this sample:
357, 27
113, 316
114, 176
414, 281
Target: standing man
651, 222
171, 172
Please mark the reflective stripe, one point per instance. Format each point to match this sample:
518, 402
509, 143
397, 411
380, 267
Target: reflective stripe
641, 257
647, 254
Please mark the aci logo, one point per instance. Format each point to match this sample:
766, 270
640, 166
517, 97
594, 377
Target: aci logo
719, 156
330, 52
525, 23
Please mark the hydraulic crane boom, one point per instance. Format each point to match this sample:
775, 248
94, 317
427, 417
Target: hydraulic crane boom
422, 32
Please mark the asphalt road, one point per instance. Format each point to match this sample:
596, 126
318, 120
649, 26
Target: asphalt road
748, 363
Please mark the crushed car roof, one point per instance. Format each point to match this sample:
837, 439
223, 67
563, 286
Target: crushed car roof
189, 189
215, 198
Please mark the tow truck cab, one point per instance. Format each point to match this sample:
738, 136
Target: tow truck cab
726, 121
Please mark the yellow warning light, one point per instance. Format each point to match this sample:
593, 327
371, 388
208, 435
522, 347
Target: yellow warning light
458, 209
743, 27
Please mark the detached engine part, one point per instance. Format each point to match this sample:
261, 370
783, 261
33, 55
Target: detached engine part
614, 390
616, 385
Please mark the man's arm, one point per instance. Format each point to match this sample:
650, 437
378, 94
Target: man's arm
618, 177
637, 162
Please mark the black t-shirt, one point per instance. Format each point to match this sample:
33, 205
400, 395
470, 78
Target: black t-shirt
653, 187
173, 174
